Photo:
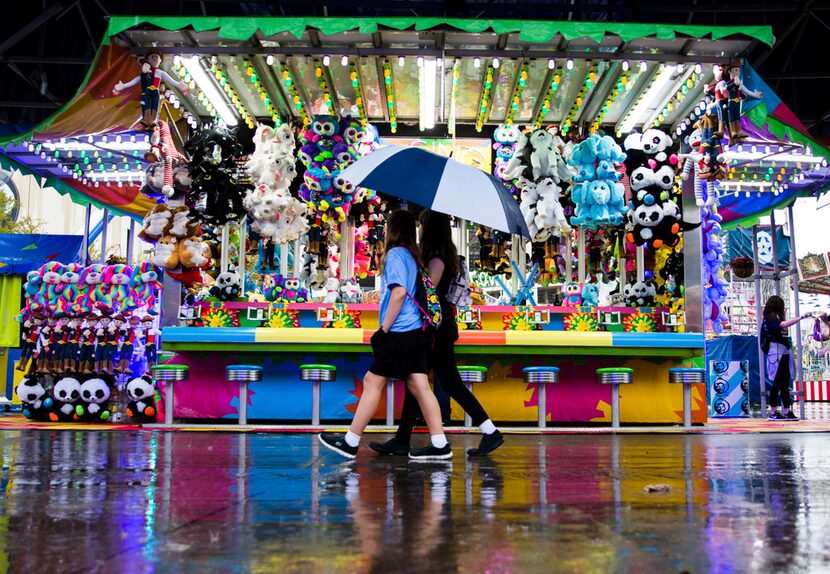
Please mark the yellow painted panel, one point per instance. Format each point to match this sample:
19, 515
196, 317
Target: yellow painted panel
309, 335
559, 338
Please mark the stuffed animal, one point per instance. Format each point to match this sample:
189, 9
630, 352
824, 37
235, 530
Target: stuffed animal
65, 393
141, 407
146, 284
193, 253
150, 79
32, 395
590, 295
228, 286
640, 294
573, 294
332, 290
166, 253
180, 224
95, 393
215, 194
156, 223
350, 292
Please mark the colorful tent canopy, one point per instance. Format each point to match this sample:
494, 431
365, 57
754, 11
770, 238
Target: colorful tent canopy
20, 254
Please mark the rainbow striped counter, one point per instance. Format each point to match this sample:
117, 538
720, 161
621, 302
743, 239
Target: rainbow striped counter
339, 335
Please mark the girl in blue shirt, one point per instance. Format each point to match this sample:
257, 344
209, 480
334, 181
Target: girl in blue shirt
399, 347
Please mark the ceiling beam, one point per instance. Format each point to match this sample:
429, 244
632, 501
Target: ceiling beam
27, 29
30, 105
52, 60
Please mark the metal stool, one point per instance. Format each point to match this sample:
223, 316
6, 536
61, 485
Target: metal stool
243, 374
471, 374
390, 402
687, 378
615, 376
317, 374
169, 374
541, 377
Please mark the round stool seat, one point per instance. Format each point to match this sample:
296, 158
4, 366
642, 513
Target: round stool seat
472, 374
615, 376
170, 372
318, 372
687, 376
541, 375
244, 373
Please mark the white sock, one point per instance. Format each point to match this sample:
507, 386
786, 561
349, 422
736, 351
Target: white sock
487, 427
438, 440
352, 439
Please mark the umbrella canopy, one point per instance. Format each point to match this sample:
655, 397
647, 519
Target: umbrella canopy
441, 184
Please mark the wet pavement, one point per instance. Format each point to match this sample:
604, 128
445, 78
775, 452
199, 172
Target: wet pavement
123, 502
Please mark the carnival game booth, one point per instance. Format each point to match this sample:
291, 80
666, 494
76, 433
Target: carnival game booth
248, 146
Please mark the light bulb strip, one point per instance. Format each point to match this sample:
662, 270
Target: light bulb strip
581, 98
390, 96
456, 74
517, 95
197, 96
321, 81
484, 100
556, 80
291, 85
354, 75
620, 87
221, 76
688, 86
262, 93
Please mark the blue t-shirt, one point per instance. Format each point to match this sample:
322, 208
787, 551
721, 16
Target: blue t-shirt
400, 269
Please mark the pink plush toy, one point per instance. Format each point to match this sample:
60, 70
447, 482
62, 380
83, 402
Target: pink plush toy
145, 286
573, 294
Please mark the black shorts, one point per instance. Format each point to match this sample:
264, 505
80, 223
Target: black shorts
398, 355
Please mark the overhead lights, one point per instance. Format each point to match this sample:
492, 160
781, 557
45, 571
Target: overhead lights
698, 68
496, 63
326, 60
551, 64
420, 61
476, 63
643, 66
217, 100
177, 60
344, 61
625, 65
427, 83
401, 61
269, 59
569, 64
641, 110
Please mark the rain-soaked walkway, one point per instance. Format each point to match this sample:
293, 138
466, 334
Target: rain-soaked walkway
123, 502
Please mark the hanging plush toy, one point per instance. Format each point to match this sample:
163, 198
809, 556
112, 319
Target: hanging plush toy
215, 195
732, 90
597, 194
150, 78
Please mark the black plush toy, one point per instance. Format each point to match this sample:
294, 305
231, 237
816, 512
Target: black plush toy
215, 193
33, 396
95, 396
228, 286
142, 394
672, 274
640, 294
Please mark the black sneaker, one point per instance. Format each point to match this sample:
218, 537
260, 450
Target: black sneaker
431, 453
489, 443
776, 416
392, 447
337, 443
790, 416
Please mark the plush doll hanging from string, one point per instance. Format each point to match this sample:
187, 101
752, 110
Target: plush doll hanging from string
150, 77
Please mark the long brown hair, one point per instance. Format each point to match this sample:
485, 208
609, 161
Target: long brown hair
775, 306
400, 232
436, 241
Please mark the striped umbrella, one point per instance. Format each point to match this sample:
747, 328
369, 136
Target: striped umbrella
441, 184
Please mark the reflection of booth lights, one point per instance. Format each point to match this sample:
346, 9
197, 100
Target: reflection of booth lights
291, 86
390, 93
324, 86
476, 63
546, 103
456, 73
484, 105
358, 93
640, 111
581, 99
426, 93
625, 65
619, 88
194, 68
517, 95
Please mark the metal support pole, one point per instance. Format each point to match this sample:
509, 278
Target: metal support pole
622, 263
103, 259
243, 403
346, 258
687, 405
131, 242
615, 406
569, 256
543, 404
514, 256
315, 403
641, 263
390, 402
85, 248
776, 270
799, 367
283, 259
762, 368
168, 403
243, 232
298, 261
223, 260
692, 260
468, 420
580, 255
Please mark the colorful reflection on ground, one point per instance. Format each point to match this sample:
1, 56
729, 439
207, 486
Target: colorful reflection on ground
224, 502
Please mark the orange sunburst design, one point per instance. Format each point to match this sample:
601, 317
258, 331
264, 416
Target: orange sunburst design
380, 413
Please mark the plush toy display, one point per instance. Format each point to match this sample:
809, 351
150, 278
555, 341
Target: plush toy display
228, 286
215, 194
573, 294
284, 289
590, 295
597, 194
65, 394
714, 284
506, 139
150, 78
33, 397
640, 294
729, 92
141, 392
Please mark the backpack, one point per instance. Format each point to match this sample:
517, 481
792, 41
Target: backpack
460, 294
426, 299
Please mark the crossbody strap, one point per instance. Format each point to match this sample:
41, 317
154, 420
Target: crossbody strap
423, 313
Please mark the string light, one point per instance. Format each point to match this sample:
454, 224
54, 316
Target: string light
619, 88
517, 95
484, 104
686, 88
581, 98
496, 63
292, 89
456, 73
326, 60
476, 63
401, 61
221, 76
358, 93
390, 94
262, 93
321, 81
546, 103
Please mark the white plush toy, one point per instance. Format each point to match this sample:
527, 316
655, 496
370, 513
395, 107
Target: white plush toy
332, 290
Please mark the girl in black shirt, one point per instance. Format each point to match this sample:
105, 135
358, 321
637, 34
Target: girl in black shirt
779, 358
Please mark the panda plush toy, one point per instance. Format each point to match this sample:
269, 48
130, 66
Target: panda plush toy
33, 396
228, 286
640, 294
65, 394
95, 395
142, 406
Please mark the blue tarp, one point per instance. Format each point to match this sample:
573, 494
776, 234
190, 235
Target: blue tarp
20, 254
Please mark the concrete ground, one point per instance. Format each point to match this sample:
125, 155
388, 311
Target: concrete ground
139, 501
